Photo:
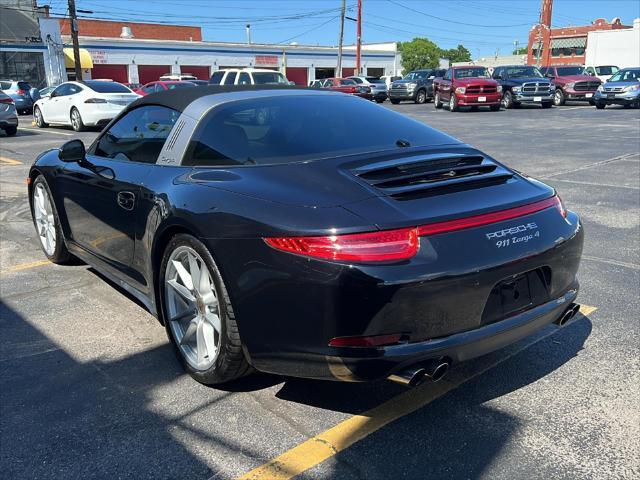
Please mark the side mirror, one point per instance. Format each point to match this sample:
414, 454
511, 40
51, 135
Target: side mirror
53, 94
72, 151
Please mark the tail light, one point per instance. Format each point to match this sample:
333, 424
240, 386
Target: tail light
388, 245
401, 244
8, 100
21, 92
95, 100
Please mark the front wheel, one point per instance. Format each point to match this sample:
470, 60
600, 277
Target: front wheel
558, 98
507, 100
40, 123
453, 103
76, 121
436, 101
47, 223
600, 105
394, 101
198, 315
421, 97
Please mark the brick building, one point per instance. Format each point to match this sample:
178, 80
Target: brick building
562, 46
149, 31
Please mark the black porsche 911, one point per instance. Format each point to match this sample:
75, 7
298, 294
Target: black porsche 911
309, 233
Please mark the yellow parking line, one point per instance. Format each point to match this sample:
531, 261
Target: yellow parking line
26, 266
10, 161
330, 442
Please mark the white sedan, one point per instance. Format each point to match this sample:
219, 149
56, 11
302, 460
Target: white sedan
83, 104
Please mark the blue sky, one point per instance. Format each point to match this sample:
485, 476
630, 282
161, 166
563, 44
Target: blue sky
483, 26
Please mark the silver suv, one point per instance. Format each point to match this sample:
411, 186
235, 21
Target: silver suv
19, 91
8, 115
378, 86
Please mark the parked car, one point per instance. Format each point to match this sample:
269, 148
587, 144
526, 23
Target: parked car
523, 84
161, 86
177, 77
571, 83
416, 86
133, 86
82, 104
317, 83
354, 256
623, 88
46, 91
8, 115
19, 91
603, 72
348, 85
467, 87
248, 76
199, 83
377, 86
389, 79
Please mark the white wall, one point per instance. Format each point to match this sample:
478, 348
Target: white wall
53, 57
614, 47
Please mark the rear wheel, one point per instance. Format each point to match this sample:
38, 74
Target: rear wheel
37, 114
198, 315
453, 103
558, 98
436, 101
421, 96
47, 223
76, 121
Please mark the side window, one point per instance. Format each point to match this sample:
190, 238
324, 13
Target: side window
499, 72
216, 77
230, 79
328, 83
61, 91
73, 89
357, 80
138, 136
149, 88
244, 79
159, 87
447, 76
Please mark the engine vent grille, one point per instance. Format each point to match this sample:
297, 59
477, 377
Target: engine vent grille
408, 178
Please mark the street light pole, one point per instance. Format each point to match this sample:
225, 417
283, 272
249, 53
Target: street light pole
358, 45
74, 38
340, 39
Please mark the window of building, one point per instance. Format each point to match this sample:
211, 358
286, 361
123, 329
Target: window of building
27, 66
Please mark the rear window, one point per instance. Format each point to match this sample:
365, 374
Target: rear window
24, 86
106, 87
5, 85
374, 80
294, 128
262, 78
606, 70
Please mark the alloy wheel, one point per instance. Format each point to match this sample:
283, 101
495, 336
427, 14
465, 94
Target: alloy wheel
45, 220
75, 120
192, 307
38, 116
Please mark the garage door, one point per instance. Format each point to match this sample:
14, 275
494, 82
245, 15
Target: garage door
117, 73
298, 75
200, 72
151, 73
348, 72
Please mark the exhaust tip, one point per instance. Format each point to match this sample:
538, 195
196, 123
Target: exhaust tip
411, 377
438, 372
568, 314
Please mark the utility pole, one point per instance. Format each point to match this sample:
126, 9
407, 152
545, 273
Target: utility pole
74, 37
340, 38
359, 41
248, 27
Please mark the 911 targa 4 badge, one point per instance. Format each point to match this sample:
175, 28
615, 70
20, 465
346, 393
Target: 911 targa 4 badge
532, 232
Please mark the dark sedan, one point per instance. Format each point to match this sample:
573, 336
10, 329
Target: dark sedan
333, 239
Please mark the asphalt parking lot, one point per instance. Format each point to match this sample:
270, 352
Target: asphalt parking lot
90, 387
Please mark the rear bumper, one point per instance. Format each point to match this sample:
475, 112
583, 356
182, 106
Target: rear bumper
8, 121
368, 96
475, 100
289, 307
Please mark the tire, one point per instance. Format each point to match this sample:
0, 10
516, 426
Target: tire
600, 105
507, 100
379, 100
76, 120
394, 101
47, 222
436, 101
559, 99
10, 131
194, 336
421, 97
37, 114
547, 104
453, 103
495, 108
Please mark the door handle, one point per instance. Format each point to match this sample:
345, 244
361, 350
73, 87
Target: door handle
126, 200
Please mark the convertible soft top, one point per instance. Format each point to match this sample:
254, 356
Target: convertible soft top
180, 99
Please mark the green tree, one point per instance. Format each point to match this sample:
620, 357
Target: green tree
419, 53
458, 54
521, 51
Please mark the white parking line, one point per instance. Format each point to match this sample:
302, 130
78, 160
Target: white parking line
576, 108
46, 131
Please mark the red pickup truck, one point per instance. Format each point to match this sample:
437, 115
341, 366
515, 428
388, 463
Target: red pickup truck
571, 83
467, 86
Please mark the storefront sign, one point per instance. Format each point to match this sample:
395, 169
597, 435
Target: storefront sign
99, 56
271, 60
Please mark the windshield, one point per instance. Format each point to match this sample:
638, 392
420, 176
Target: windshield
172, 86
523, 72
416, 75
295, 128
606, 70
262, 78
564, 71
374, 80
473, 72
626, 76
106, 87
